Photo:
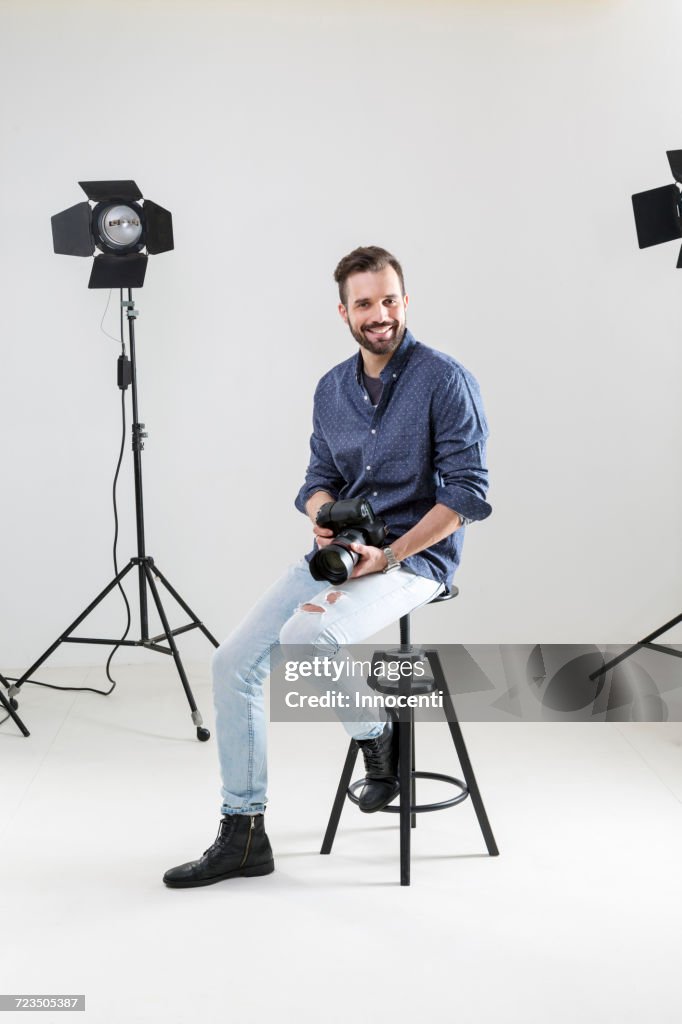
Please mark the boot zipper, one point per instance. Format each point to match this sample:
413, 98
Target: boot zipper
248, 840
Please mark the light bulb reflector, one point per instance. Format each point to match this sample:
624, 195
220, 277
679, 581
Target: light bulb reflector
120, 226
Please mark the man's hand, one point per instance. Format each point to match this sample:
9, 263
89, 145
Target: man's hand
323, 535
371, 560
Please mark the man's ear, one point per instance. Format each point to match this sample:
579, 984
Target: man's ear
406, 299
343, 313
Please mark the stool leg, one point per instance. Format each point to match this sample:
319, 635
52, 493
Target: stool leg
462, 754
405, 777
406, 647
413, 785
344, 783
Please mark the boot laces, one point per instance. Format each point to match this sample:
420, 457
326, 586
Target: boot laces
375, 756
225, 830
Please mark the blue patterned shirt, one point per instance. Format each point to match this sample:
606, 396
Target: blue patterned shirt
422, 445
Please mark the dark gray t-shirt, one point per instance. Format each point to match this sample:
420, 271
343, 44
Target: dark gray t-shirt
374, 386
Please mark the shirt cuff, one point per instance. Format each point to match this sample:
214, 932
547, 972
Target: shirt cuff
307, 492
469, 507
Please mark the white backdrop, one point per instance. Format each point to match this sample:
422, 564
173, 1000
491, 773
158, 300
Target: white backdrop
492, 146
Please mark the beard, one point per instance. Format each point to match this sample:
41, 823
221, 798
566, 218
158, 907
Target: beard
380, 346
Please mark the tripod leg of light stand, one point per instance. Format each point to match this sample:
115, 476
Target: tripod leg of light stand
185, 607
202, 732
7, 705
636, 647
74, 625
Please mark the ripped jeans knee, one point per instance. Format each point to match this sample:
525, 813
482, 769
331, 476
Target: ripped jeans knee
307, 626
331, 597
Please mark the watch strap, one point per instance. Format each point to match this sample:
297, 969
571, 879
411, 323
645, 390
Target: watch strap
392, 561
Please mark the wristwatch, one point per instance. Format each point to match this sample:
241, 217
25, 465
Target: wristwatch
392, 561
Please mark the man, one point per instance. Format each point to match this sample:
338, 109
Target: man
403, 426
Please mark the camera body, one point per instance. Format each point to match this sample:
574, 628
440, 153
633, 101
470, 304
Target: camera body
353, 522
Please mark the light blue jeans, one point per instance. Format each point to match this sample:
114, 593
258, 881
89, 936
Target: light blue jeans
242, 663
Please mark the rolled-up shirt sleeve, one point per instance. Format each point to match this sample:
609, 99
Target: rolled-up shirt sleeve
459, 435
322, 473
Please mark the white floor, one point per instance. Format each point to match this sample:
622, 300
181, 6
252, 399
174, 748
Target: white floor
578, 920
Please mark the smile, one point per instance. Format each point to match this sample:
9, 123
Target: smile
379, 332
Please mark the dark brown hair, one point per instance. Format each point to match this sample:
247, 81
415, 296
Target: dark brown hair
366, 257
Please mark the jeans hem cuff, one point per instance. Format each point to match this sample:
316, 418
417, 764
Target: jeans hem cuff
256, 809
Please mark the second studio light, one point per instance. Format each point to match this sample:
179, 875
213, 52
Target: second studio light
658, 211
118, 222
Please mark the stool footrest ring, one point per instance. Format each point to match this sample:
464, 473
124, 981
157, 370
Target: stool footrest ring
439, 805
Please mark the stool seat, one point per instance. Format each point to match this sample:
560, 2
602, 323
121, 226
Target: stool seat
445, 595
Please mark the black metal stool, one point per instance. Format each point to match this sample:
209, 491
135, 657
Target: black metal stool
408, 808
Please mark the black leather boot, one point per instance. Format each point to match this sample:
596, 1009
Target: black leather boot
240, 848
381, 769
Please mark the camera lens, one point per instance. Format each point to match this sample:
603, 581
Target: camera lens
333, 563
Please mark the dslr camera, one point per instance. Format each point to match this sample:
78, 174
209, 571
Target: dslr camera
352, 522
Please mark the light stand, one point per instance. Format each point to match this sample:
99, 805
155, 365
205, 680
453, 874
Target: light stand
122, 225
147, 572
658, 219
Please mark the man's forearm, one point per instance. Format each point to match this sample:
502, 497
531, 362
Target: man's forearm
315, 502
438, 523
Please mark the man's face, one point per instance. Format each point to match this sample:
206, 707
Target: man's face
375, 310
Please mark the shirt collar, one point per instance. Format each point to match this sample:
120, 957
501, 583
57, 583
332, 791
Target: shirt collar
395, 364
